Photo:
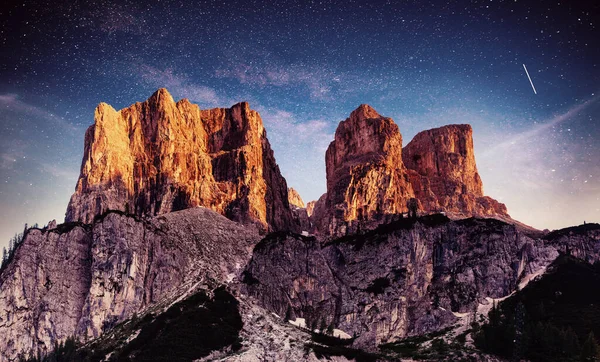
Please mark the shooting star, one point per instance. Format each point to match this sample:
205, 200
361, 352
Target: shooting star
526, 72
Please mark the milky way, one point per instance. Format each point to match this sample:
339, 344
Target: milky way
305, 66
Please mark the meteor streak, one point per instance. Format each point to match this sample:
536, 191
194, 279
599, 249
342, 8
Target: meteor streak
526, 72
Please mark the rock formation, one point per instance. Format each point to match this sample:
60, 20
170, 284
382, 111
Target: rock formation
301, 221
371, 178
294, 198
385, 279
81, 280
405, 278
160, 156
444, 176
319, 215
310, 207
366, 178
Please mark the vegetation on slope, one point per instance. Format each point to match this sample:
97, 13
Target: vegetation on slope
188, 330
553, 319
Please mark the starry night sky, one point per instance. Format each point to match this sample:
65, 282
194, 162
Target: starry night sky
305, 66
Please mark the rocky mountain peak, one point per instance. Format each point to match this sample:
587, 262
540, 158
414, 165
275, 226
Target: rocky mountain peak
443, 172
159, 156
365, 174
364, 111
370, 177
161, 96
294, 198
447, 153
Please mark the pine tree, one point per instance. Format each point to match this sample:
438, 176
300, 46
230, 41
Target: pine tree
288, 314
323, 325
590, 350
412, 205
330, 329
4, 256
519, 326
11, 245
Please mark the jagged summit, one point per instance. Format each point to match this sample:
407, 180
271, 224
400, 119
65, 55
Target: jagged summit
364, 111
365, 173
158, 156
370, 177
161, 94
444, 173
294, 198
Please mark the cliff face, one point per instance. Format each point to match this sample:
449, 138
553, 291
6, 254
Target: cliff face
365, 174
160, 156
403, 278
370, 177
80, 280
444, 175
294, 198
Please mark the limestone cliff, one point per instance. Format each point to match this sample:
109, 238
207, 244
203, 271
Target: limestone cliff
371, 178
160, 156
294, 198
444, 176
404, 278
366, 178
310, 207
81, 280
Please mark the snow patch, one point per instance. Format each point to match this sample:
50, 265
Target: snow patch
531, 277
338, 333
230, 277
133, 336
460, 315
299, 322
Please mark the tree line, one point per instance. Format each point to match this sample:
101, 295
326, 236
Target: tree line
13, 245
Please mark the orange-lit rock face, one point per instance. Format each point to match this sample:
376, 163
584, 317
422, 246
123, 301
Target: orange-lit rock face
294, 198
443, 173
310, 207
370, 177
159, 156
365, 174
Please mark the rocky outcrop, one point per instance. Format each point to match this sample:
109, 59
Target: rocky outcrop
310, 207
443, 173
80, 280
299, 212
160, 156
319, 215
581, 241
366, 178
371, 178
401, 279
294, 198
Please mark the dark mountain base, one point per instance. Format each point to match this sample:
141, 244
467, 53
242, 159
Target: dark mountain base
188, 330
552, 319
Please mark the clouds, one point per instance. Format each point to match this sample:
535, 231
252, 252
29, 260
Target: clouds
12, 103
318, 84
299, 147
547, 174
545, 125
260, 69
286, 128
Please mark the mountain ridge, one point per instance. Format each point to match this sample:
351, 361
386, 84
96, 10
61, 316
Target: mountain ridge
173, 200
